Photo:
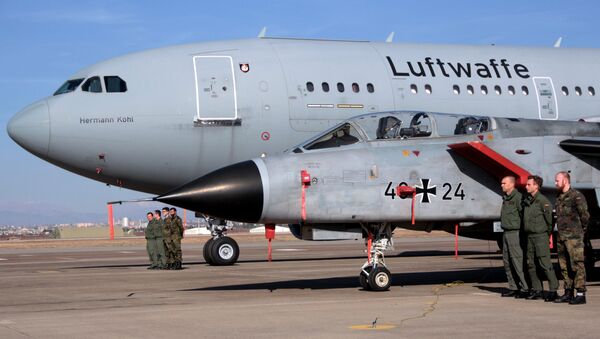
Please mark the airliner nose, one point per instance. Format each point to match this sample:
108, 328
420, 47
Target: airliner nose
234, 193
30, 128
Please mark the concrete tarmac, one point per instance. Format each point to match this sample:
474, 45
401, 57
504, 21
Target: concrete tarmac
310, 290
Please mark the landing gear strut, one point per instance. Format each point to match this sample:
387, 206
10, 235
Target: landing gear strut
220, 250
374, 275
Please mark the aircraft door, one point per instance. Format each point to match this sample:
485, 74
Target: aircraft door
215, 88
547, 104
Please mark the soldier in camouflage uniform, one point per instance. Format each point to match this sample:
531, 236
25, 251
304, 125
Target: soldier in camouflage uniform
537, 223
169, 246
571, 220
512, 253
159, 245
177, 235
150, 242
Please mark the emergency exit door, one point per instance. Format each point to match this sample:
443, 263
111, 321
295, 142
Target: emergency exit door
546, 97
215, 88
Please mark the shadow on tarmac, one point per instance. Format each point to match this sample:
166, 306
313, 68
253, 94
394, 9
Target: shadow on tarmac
482, 275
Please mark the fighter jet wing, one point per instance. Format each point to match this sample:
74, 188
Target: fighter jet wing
489, 160
581, 147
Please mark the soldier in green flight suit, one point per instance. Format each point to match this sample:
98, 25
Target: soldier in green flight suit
177, 234
150, 242
159, 245
572, 219
537, 223
168, 233
512, 253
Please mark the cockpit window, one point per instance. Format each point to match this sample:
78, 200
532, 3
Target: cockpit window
68, 86
396, 125
346, 134
114, 84
92, 85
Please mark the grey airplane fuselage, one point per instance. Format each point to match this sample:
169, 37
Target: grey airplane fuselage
190, 109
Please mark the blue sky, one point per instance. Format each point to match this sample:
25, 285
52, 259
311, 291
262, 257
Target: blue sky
44, 42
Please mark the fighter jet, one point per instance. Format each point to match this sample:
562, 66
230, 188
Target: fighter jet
207, 105
420, 170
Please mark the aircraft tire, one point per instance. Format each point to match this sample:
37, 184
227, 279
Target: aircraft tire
363, 279
206, 251
380, 279
224, 251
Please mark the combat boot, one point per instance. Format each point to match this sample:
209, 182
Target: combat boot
510, 293
565, 298
579, 299
522, 295
178, 265
551, 296
535, 295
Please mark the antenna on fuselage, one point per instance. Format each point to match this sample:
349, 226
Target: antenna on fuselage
263, 32
390, 37
558, 42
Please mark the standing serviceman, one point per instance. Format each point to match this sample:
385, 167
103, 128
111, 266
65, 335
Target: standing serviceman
572, 219
177, 229
168, 232
537, 222
512, 253
159, 245
150, 243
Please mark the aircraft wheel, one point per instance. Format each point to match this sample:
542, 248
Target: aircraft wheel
224, 251
206, 251
363, 279
380, 279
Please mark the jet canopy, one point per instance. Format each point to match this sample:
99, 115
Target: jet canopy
397, 126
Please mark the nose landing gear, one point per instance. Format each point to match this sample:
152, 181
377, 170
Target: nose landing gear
374, 275
220, 250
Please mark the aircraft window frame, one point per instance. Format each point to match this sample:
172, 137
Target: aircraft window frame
564, 90
355, 87
524, 90
484, 89
310, 86
122, 84
470, 90
428, 89
511, 90
370, 88
86, 86
69, 86
340, 87
325, 86
414, 89
498, 90
591, 91
456, 89
333, 139
578, 91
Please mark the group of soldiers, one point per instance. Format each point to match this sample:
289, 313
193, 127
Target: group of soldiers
163, 239
531, 214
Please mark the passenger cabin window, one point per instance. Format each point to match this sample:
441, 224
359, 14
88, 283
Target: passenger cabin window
114, 84
470, 90
578, 90
325, 87
413, 89
564, 90
371, 89
92, 85
355, 87
346, 134
310, 87
591, 91
484, 90
524, 90
428, 89
69, 86
340, 87
456, 89
511, 90
498, 90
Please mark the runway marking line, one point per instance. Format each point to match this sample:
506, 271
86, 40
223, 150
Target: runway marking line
3, 259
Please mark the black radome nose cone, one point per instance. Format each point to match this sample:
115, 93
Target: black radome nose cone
234, 193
